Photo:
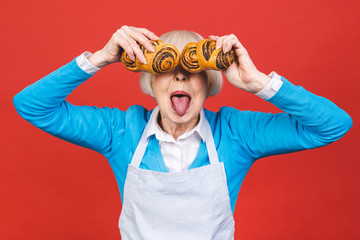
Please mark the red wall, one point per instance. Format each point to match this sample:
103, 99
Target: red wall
51, 189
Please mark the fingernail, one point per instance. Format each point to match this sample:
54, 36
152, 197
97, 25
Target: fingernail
152, 48
144, 61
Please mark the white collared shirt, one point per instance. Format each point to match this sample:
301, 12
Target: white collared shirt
179, 154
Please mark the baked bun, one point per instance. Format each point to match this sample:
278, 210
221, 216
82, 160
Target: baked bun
200, 56
164, 59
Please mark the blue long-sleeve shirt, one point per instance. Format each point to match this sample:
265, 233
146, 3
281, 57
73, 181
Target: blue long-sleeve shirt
241, 137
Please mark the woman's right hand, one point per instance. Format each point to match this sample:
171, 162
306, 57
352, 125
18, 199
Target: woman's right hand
124, 38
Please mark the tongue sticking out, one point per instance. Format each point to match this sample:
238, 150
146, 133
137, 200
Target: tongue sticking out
180, 104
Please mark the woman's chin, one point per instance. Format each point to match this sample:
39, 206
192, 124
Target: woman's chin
184, 118
180, 118
171, 115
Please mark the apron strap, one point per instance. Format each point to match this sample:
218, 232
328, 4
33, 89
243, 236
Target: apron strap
139, 152
210, 144
142, 145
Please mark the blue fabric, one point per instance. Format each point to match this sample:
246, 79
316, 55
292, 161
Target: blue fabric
241, 137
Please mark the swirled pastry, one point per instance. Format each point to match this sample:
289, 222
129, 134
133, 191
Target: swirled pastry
200, 56
164, 59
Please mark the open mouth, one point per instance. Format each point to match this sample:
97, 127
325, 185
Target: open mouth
180, 102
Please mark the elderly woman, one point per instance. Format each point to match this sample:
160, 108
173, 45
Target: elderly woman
179, 167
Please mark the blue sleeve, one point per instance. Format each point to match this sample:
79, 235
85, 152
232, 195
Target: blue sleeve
43, 104
308, 121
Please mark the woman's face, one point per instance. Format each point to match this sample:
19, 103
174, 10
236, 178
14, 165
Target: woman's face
180, 94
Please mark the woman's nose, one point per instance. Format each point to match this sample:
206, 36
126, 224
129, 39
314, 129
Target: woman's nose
181, 75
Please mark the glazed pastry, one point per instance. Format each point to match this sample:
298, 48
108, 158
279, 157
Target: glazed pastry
164, 59
200, 56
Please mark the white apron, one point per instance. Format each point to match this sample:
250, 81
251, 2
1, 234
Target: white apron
187, 205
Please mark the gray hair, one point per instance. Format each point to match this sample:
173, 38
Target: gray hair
179, 38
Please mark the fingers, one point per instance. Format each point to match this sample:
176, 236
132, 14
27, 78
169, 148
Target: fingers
128, 38
219, 41
133, 49
139, 36
148, 33
227, 42
128, 44
212, 37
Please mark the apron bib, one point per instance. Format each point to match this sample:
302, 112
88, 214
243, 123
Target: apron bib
187, 205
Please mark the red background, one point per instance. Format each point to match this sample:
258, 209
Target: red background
51, 189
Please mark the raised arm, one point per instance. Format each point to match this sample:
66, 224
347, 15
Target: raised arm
309, 120
43, 103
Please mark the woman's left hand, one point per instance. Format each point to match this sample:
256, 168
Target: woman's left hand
242, 73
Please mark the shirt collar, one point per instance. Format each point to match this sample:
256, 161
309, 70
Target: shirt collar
153, 128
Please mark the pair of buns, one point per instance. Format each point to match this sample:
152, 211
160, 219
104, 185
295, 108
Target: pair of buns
194, 58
